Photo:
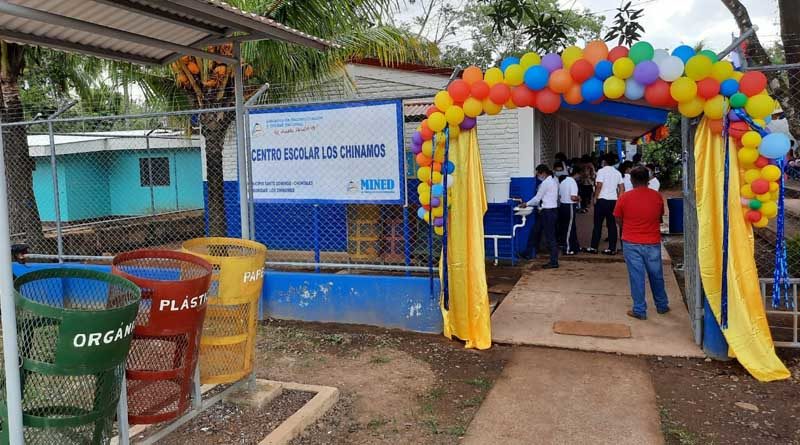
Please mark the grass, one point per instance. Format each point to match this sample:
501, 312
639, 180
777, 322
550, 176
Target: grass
472, 402
480, 382
675, 433
380, 360
375, 424
429, 399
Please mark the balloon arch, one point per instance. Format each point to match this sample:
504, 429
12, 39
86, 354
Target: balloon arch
735, 103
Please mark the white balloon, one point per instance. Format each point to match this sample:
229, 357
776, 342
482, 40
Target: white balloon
659, 55
450, 181
670, 68
633, 89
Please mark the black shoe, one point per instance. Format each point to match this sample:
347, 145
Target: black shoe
590, 250
570, 253
550, 266
636, 316
609, 252
663, 311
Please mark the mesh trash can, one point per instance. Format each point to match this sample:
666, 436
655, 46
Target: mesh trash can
74, 330
164, 350
228, 341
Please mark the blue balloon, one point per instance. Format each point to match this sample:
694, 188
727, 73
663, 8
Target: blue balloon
592, 90
633, 89
683, 52
729, 87
775, 146
449, 167
536, 77
437, 190
421, 213
507, 62
604, 69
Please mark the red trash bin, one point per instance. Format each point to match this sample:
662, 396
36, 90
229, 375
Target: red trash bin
164, 350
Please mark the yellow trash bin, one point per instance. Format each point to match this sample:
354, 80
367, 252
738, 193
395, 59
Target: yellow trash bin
227, 344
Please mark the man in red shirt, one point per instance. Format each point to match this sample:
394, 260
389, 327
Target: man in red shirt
641, 210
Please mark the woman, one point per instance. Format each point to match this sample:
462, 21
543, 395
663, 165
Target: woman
547, 200
586, 186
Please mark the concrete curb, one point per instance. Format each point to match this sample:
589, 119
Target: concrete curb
312, 411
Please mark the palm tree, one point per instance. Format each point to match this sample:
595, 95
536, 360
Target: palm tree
201, 83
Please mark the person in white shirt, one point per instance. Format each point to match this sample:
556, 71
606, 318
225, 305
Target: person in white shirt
547, 200
569, 200
607, 190
654, 183
625, 169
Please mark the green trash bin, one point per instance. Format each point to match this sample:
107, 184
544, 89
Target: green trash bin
74, 329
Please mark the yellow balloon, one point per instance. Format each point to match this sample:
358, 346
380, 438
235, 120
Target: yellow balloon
424, 174
764, 197
699, 67
775, 195
439, 230
752, 175
747, 156
423, 187
623, 67
425, 198
760, 224
473, 107
437, 122
722, 70
769, 209
684, 88
747, 192
440, 139
571, 55
443, 101
771, 173
436, 177
751, 139
737, 75
693, 107
715, 107
491, 108
515, 74
760, 106
455, 130
493, 76
427, 217
438, 155
427, 149
454, 115
510, 105
614, 87
438, 212
760, 122
773, 187
529, 60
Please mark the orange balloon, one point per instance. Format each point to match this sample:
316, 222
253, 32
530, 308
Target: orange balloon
472, 74
715, 125
560, 81
595, 51
573, 96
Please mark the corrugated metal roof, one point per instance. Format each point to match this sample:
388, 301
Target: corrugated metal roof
142, 31
416, 109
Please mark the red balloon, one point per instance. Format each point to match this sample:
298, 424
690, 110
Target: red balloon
548, 101
752, 83
432, 109
657, 93
761, 162
715, 125
760, 186
459, 90
523, 96
708, 88
753, 215
480, 90
738, 129
617, 53
581, 71
425, 131
500, 93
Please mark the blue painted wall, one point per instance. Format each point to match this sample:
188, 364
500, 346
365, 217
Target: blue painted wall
384, 301
97, 185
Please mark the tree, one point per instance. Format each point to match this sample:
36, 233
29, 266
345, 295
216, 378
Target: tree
202, 83
626, 27
667, 152
505, 27
786, 89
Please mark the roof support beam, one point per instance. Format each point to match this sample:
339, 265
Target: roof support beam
75, 47
59, 20
250, 25
164, 16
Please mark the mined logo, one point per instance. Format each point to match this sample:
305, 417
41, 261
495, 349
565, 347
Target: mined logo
377, 185
98, 338
187, 303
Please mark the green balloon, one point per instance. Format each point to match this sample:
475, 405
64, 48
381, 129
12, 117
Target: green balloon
738, 100
755, 204
641, 51
710, 54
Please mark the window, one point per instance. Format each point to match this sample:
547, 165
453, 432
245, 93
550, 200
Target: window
154, 172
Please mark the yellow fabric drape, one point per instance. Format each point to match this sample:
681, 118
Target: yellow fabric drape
747, 334
468, 317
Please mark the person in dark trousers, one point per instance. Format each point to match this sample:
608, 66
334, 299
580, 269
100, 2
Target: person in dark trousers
547, 200
586, 185
568, 202
608, 188
641, 210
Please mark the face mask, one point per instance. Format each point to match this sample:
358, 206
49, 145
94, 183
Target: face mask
561, 173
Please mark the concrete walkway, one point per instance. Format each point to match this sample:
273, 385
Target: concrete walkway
549, 396
592, 292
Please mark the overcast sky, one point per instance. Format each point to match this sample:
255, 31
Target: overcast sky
669, 23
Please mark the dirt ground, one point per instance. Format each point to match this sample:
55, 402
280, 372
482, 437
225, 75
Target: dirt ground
396, 387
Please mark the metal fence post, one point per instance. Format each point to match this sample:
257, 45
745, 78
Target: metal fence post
241, 147
56, 194
11, 360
